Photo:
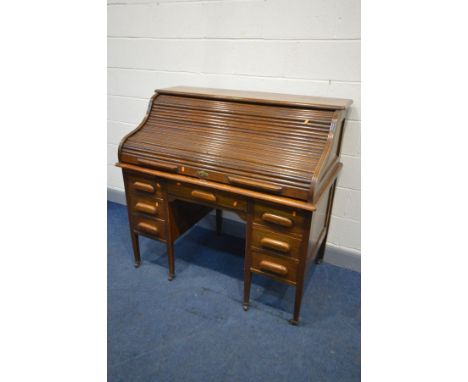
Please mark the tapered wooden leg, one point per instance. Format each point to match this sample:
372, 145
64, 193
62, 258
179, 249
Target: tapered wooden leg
170, 259
297, 303
321, 252
136, 249
219, 221
248, 256
247, 282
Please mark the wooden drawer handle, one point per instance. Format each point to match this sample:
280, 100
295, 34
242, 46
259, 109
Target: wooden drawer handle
159, 165
146, 208
209, 197
255, 184
148, 228
143, 186
275, 219
277, 245
269, 266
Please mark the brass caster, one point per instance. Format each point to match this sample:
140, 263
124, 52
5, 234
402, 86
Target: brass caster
246, 307
136, 264
170, 277
294, 322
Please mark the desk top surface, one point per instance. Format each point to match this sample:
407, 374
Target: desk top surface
261, 97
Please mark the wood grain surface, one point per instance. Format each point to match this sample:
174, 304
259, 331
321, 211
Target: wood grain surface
272, 159
274, 148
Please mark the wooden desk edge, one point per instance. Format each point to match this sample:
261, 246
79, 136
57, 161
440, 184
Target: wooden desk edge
278, 99
329, 178
275, 99
222, 187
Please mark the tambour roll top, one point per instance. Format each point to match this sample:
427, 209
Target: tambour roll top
272, 159
283, 145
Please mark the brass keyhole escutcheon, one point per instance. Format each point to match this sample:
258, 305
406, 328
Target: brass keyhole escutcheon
202, 174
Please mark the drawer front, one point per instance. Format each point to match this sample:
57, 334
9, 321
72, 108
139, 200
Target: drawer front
280, 267
206, 196
150, 227
151, 208
274, 242
143, 186
283, 219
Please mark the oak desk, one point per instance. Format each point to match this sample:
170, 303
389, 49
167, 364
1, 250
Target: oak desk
273, 159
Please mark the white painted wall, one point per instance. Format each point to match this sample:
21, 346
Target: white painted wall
309, 47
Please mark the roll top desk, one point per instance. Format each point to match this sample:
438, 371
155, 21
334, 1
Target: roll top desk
272, 159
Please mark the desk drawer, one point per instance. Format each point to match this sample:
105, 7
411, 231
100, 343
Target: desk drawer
283, 219
279, 267
143, 186
147, 207
206, 196
274, 242
149, 227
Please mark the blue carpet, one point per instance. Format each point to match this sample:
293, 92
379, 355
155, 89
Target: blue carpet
194, 328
